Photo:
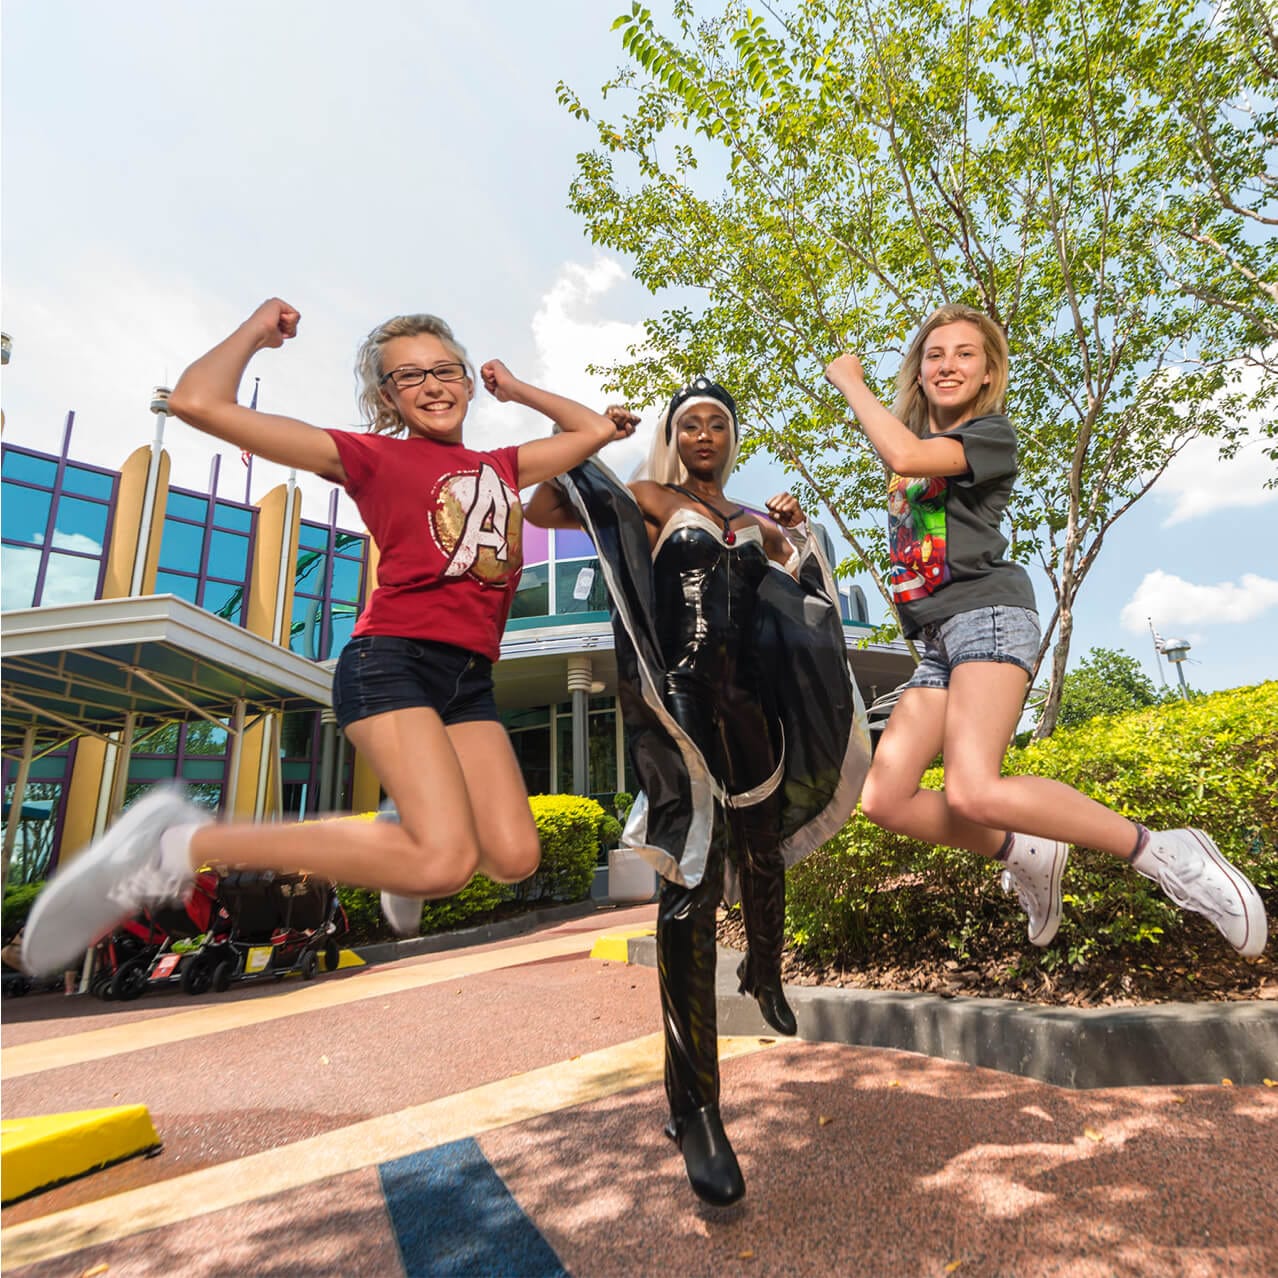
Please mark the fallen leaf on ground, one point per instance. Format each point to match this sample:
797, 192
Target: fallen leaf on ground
745, 1255
1269, 1082
1226, 1082
323, 1060
1092, 1134
952, 1266
894, 1083
1179, 1100
95, 1270
822, 1120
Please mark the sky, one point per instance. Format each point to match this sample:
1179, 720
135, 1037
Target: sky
168, 166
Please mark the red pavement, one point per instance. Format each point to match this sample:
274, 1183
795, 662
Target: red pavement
858, 1161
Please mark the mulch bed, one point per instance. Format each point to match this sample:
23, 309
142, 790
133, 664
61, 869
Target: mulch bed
1193, 965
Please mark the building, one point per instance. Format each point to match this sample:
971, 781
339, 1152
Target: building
155, 632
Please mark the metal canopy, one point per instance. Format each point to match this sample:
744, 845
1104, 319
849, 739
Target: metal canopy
83, 668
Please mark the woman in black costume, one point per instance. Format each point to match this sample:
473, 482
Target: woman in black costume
704, 622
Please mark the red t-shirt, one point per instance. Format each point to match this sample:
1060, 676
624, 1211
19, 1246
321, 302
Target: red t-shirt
449, 527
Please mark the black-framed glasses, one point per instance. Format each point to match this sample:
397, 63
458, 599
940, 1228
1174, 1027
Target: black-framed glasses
404, 378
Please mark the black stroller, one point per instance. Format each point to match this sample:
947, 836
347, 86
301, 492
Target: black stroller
268, 924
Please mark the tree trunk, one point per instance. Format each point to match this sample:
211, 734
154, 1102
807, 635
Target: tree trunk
1060, 657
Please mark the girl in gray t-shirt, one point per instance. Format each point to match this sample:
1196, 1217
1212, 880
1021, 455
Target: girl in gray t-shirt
952, 454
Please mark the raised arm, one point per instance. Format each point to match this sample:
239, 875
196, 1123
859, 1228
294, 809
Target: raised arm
204, 397
583, 432
549, 507
900, 448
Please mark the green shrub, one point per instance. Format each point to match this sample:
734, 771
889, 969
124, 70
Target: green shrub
1211, 762
18, 899
569, 829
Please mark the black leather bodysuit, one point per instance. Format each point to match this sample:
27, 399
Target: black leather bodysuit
705, 598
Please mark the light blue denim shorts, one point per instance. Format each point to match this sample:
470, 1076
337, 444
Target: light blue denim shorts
1000, 633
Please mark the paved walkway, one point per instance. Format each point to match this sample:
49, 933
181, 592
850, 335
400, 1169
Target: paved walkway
498, 1111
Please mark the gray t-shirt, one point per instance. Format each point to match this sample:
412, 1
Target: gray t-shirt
944, 536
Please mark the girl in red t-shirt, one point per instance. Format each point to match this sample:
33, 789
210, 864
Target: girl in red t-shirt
413, 689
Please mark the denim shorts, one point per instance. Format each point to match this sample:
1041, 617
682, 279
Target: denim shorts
1001, 633
378, 673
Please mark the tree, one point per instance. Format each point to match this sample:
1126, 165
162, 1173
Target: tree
1106, 681
824, 180
1227, 142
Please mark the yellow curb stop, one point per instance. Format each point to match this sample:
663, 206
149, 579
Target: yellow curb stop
612, 947
39, 1152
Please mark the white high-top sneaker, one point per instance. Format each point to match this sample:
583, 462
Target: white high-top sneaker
1033, 870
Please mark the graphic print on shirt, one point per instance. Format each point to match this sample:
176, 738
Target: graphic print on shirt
916, 537
477, 522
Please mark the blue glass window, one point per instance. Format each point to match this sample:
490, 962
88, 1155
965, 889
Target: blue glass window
70, 579
33, 469
579, 587
81, 526
187, 506
207, 561
67, 566
228, 556
532, 597
19, 569
89, 483
328, 589
24, 514
182, 546
235, 518
172, 583
346, 578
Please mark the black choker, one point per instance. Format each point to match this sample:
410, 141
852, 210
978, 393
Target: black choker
729, 537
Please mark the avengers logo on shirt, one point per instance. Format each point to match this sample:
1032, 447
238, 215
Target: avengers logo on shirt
917, 537
477, 522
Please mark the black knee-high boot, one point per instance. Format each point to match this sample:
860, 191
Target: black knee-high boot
685, 969
762, 878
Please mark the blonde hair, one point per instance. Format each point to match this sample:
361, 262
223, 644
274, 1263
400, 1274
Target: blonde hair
911, 405
663, 465
381, 417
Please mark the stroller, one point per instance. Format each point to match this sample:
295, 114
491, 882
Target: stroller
125, 961
267, 924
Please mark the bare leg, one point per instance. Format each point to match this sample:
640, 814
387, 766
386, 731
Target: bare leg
435, 848
973, 721
985, 702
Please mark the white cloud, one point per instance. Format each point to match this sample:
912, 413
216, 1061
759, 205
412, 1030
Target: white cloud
1199, 482
1174, 604
567, 335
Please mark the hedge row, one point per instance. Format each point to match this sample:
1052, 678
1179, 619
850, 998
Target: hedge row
1211, 762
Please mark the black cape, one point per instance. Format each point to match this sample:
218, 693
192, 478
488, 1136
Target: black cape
804, 655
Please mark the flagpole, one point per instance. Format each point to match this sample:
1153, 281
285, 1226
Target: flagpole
246, 457
1158, 650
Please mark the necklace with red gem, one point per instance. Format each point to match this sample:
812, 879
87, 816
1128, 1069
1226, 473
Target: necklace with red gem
729, 537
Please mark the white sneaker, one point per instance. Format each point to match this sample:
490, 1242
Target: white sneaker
403, 913
113, 879
1190, 869
1033, 870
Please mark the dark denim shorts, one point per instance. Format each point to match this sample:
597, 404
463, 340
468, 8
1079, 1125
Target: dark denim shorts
1000, 633
377, 673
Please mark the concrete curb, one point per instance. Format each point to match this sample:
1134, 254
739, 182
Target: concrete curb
440, 942
1163, 1044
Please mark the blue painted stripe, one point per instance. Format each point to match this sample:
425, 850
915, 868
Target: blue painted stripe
454, 1216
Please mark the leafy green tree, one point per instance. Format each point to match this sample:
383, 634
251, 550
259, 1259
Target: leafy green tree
1227, 142
1106, 681
824, 178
